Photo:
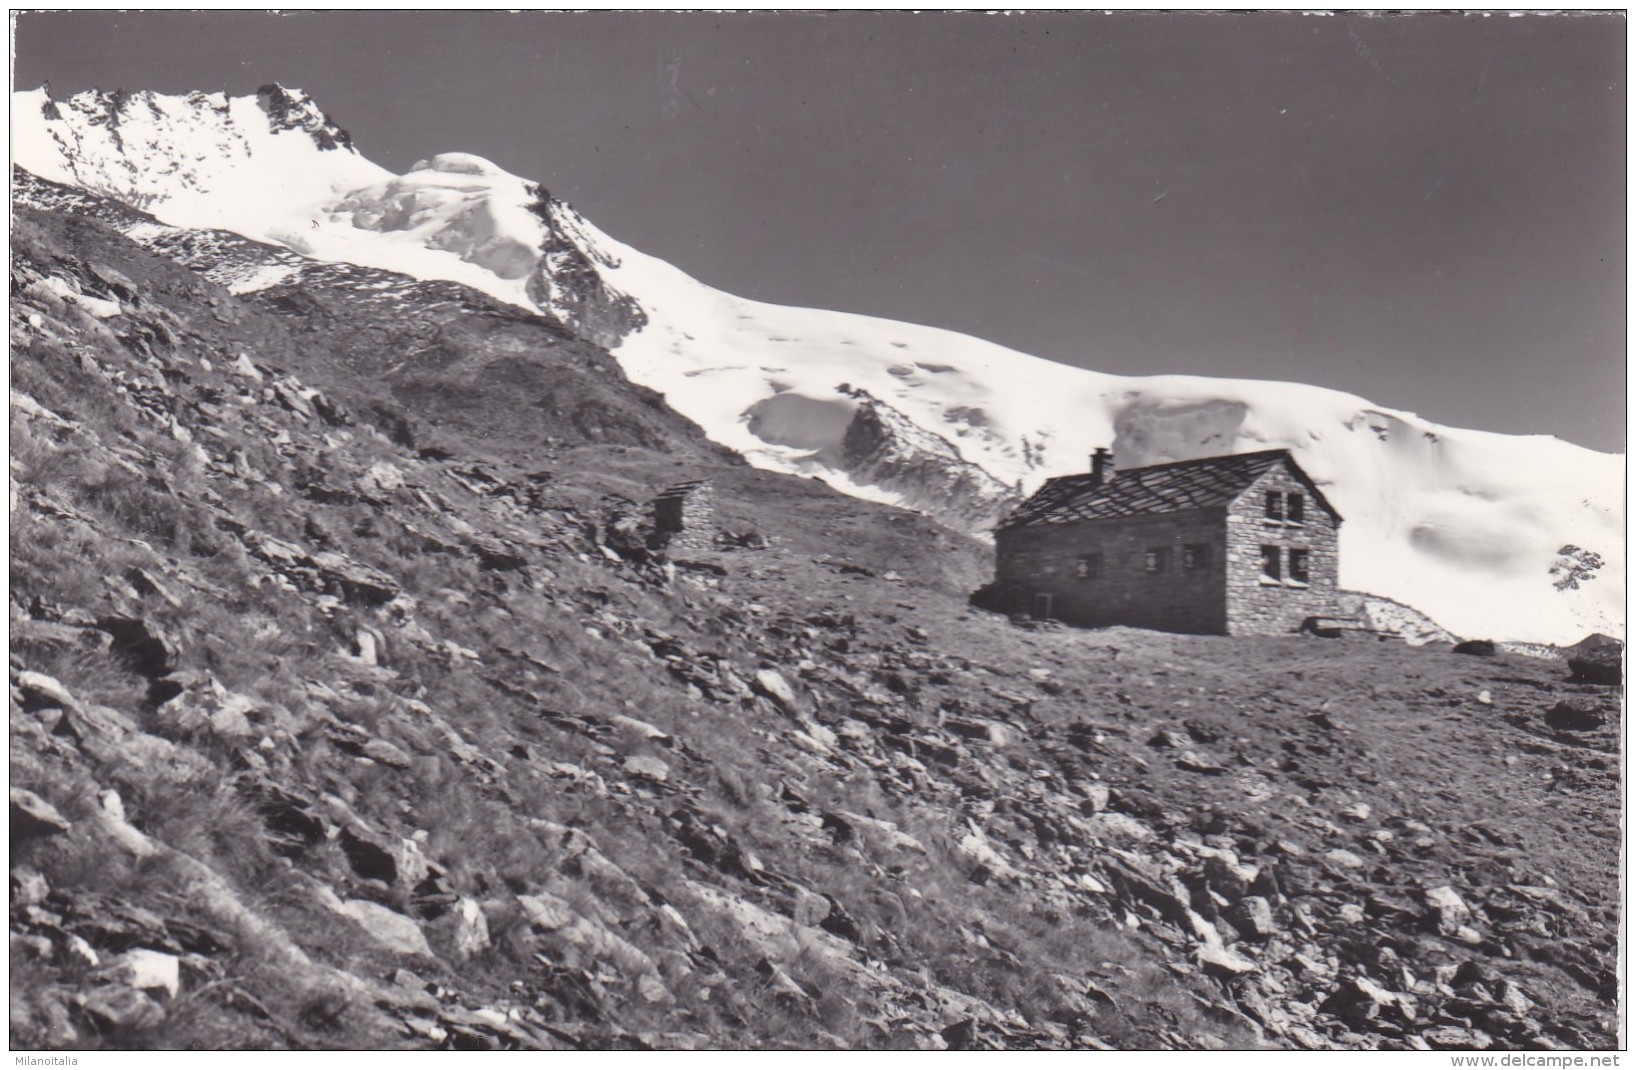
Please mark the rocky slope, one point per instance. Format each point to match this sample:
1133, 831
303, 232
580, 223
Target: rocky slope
1473, 529
350, 707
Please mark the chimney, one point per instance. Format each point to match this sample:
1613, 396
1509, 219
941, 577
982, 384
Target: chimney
1101, 466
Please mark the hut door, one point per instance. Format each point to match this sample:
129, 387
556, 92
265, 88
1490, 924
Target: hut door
1042, 607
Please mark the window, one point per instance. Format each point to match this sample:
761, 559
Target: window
1156, 560
1298, 566
1285, 507
1270, 563
1197, 556
1088, 567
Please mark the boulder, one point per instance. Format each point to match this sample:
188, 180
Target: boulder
771, 683
41, 692
387, 753
647, 767
1223, 962
1597, 669
1168, 738
388, 928
1479, 647
1358, 811
642, 729
1361, 1002
1228, 877
28, 886
150, 971
32, 817
1456, 1038
469, 929
413, 865
1194, 762
139, 646
1596, 659
1445, 910
120, 1007
1097, 797
546, 912
358, 582
1570, 718
371, 858
1252, 916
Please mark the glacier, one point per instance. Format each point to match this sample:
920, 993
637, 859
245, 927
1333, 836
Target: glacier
1466, 526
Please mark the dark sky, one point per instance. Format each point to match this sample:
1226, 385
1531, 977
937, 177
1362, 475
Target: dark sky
1428, 210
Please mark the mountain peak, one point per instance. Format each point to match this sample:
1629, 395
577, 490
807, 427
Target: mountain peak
294, 109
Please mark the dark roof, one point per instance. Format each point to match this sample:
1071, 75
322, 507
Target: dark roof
1159, 488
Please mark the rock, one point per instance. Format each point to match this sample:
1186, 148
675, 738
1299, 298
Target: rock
1361, 1002
1194, 762
387, 753
647, 767
241, 365
149, 584
413, 865
228, 721
1228, 877
1121, 826
358, 582
1455, 1038
77, 948
1168, 738
1097, 797
40, 691
545, 911
381, 476
119, 1007
642, 729
32, 817
139, 646
1446, 910
975, 846
1224, 962
371, 858
1343, 858
770, 683
471, 929
1358, 811
1571, 718
28, 886
1478, 647
1468, 935
391, 930
1600, 668
149, 970
1252, 916
652, 988
408, 979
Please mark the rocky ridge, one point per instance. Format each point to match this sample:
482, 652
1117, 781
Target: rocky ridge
344, 714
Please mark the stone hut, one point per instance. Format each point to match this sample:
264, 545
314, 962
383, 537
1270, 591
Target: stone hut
684, 516
1238, 545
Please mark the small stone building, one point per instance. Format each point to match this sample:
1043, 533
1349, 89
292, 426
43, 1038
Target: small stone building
684, 517
1239, 545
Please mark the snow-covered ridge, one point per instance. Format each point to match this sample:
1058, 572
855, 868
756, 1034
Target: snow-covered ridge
1467, 526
